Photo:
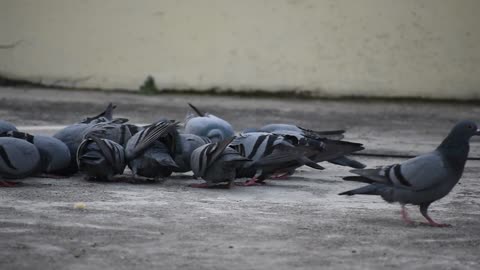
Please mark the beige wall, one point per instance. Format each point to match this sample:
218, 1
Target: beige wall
428, 48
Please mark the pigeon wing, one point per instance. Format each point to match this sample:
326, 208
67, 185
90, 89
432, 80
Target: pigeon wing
419, 173
149, 135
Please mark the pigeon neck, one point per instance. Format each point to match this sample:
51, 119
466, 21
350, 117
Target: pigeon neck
455, 151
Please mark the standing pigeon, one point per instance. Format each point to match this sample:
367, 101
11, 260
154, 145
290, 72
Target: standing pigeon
216, 163
423, 179
100, 159
149, 152
6, 126
18, 159
54, 154
208, 125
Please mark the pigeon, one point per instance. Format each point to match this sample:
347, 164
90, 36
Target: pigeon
208, 125
6, 126
280, 155
216, 163
270, 154
186, 144
421, 180
18, 159
101, 159
286, 129
73, 135
54, 154
149, 152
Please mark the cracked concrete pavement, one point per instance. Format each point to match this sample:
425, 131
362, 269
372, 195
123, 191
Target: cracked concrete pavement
298, 223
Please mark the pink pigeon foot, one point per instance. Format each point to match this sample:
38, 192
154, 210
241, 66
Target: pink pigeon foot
4, 183
204, 185
53, 176
280, 176
432, 223
405, 217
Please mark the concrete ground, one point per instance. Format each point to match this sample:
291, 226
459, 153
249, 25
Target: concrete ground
298, 223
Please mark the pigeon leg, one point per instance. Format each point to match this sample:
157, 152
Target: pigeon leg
4, 183
405, 217
280, 176
203, 185
226, 185
251, 182
431, 222
208, 185
53, 176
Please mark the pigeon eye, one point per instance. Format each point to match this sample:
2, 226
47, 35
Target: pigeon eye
470, 126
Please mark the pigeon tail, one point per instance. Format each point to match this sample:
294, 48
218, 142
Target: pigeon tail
358, 179
345, 161
197, 111
366, 190
333, 150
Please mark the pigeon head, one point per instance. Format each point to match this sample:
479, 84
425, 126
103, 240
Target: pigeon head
464, 130
456, 144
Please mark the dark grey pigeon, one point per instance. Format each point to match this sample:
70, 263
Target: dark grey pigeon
423, 179
101, 159
271, 155
149, 152
73, 135
6, 126
54, 154
279, 155
186, 144
286, 129
208, 125
216, 163
18, 159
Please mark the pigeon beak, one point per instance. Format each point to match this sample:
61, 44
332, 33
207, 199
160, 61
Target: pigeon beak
477, 132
